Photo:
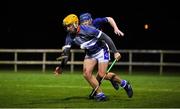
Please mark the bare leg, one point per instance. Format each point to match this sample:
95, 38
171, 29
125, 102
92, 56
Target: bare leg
114, 78
102, 67
88, 67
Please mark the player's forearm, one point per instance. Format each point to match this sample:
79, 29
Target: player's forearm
112, 22
66, 52
109, 41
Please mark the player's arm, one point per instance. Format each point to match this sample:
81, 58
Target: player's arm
115, 27
111, 45
66, 52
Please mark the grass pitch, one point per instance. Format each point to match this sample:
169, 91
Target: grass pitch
33, 89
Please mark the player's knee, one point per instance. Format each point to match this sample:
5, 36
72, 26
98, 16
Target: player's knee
108, 76
87, 74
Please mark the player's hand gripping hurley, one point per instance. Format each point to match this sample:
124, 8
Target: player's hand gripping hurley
103, 77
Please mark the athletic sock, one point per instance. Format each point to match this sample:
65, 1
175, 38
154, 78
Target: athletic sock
100, 93
123, 83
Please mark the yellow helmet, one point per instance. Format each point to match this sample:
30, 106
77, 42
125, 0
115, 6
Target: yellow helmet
70, 19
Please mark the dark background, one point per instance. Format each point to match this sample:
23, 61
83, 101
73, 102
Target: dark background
38, 23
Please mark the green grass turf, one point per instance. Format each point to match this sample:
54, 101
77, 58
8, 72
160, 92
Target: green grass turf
28, 89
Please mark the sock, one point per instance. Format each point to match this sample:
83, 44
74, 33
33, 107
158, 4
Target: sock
123, 83
100, 93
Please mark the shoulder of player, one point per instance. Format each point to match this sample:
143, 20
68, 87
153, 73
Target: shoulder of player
100, 19
86, 27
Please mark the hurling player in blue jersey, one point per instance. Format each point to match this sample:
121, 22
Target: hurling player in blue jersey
86, 19
96, 45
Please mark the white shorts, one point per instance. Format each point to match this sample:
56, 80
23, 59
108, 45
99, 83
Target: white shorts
102, 56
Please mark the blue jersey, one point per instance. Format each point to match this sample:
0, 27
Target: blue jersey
87, 38
98, 22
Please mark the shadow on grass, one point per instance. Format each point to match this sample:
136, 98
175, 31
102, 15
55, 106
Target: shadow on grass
60, 100
75, 98
51, 101
69, 101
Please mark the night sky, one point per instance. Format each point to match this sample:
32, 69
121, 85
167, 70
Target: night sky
38, 23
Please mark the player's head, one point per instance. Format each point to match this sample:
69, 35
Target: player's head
71, 23
85, 19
